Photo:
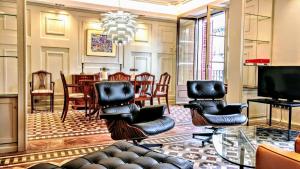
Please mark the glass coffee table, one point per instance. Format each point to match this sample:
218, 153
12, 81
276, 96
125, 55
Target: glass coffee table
237, 145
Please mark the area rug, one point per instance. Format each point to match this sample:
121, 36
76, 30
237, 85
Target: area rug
178, 145
47, 125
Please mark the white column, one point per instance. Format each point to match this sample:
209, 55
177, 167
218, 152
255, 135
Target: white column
22, 89
235, 50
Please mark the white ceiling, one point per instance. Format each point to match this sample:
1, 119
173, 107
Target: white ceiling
165, 2
163, 9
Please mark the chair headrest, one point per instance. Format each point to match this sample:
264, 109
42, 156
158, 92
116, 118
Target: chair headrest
205, 89
114, 92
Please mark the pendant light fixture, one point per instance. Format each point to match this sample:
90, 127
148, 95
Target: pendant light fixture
119, 26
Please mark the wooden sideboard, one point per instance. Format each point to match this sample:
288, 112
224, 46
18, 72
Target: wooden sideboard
76, 79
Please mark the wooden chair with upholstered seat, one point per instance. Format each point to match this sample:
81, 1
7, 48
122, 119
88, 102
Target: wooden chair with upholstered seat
162, 88
119, 76
70, 97
42, 85
143, 85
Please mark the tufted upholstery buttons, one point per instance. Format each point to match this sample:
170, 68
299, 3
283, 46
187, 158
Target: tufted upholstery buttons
122, 155
205, 89
114, 93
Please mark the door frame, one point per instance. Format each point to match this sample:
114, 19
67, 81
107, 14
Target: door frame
208, 15
178, 99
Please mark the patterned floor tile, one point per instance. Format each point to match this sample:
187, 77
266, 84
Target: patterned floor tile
47, 125
43, 126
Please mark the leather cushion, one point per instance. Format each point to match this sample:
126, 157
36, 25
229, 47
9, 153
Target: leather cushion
225, 120
45, 166
156, 126
202, 89
210, 106
123, 155
114, 92
124, 109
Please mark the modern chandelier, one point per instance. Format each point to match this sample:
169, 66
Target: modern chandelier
119, 26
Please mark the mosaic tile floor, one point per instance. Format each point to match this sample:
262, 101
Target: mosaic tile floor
182, 146
45, 125
177, 142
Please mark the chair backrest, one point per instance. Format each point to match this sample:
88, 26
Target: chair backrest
144, 82
64, 82
205, 89
114, 93
41, 80
119, 76
164, 81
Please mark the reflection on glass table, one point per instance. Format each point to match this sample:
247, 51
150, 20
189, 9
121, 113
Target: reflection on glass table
237, 145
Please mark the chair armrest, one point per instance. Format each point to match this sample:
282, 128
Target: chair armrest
193, 106
234, 108
297, 144
117, 116
270, 157
149, 113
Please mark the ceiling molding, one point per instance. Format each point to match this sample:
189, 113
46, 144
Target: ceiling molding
139, 7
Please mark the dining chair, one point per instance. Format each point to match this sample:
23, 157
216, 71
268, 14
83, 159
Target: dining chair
119, 76
162, 88
143, 86
71, 97
42, 85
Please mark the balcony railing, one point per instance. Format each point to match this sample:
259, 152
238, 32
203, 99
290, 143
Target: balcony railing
217, 75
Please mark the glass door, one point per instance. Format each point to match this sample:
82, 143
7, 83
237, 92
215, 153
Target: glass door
185, 56
216, 43
201, 54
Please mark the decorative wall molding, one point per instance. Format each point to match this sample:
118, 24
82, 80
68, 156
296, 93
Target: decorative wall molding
143, 33
55, 26
10, 22
142, 61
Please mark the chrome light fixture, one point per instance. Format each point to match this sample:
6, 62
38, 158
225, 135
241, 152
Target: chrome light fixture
119, 26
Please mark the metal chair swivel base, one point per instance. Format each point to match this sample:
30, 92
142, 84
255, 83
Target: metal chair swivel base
208, 135
147, 146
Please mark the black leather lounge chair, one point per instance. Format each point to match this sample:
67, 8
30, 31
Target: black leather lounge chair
209, 109
124, 119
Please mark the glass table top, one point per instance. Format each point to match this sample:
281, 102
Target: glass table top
237, 145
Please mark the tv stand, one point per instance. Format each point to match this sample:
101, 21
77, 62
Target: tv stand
275, 102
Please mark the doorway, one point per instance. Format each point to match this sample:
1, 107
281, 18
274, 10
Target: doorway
201, 54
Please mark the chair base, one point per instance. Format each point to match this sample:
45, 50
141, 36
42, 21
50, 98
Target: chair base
208, 136
147, 146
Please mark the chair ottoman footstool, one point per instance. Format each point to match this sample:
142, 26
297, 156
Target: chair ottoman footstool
122, 155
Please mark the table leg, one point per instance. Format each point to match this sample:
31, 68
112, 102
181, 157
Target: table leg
270, 115
290, 125
248, 113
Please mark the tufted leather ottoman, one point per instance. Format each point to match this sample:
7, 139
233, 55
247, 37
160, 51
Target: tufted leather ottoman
122, 155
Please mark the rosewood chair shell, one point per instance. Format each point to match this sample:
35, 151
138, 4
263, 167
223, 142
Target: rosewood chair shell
42, 85
162, 88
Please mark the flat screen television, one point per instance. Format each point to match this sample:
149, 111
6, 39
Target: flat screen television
279, 82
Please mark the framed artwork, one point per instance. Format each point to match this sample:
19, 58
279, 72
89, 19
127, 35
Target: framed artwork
98, 44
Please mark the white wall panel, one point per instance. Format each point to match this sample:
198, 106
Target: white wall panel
57, 41
56, 60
